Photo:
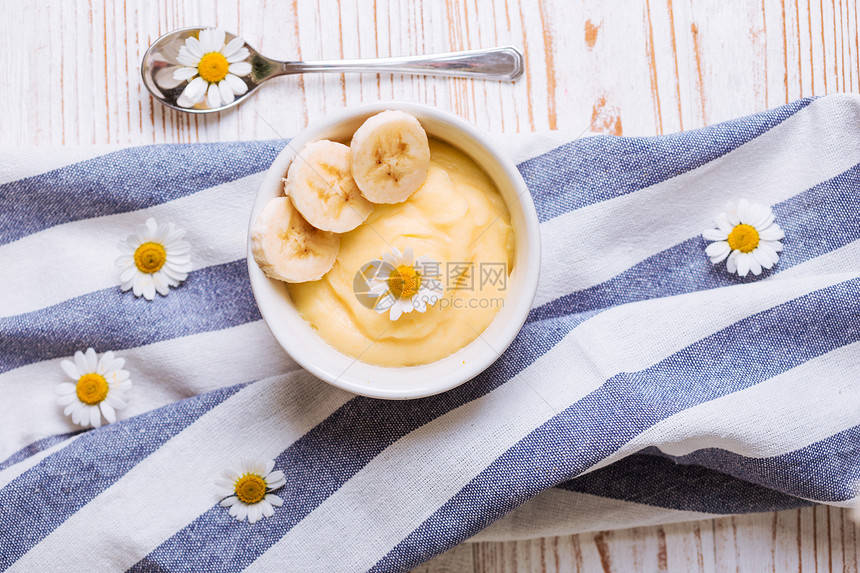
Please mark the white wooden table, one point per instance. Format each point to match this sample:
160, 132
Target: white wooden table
631, 67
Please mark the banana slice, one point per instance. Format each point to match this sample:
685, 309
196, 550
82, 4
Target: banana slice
320, 185
288, 248
390, 157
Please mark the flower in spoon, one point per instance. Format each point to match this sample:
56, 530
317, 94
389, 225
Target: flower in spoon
212, 69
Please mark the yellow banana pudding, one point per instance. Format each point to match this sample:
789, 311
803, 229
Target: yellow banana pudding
396, 248
458, 220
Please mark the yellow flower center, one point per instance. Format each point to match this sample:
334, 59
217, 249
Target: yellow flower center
743, 238
404, 281
213, 67
149, 257
91, 388
250, 488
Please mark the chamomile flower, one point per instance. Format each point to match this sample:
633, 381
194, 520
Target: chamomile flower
98, 388
212, 68
746, 238
154, 258
404, 285
247, 488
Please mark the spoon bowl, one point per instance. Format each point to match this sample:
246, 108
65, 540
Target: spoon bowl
160, 62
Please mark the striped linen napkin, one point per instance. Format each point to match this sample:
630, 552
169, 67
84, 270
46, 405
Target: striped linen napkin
648, 385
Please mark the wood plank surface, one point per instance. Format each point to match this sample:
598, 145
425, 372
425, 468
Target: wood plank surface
631, 67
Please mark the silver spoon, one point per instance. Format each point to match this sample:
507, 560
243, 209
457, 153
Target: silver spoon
159, 64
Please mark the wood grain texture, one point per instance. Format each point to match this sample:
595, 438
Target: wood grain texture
632, 67
651, 66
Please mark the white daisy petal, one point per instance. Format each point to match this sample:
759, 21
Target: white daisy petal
207, 43
183, 101
765, 250
232, 47
193, 46
175, 236
152, 228
775, 245
178, 247
219, 36
126, 275
743, 211
761, 217
227, 95
721, 257
239, 68
70, 369
714, 235
91, 360
255, 514
743, 264
213, 96
274, 500
755, 266
732, 215
236, 508
166, 79
64, 388
732, 262
269, 466
229, 502
242, 511
763, 258
238, 86
772, 233
160, 283
276, 480
267, 509
76, 410
147, 287
223, 492
137, 285
186, 59
95, 417
195, 89
116, 365
240, 55
107, 411
183, 74
717, 249
406, 305
66, 399
723, 224
81, 363
395, 312
120, 389
103, 362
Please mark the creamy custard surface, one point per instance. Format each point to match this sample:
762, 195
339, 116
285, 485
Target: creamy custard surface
457, 218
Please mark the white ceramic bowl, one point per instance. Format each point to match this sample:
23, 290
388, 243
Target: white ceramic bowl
317, 356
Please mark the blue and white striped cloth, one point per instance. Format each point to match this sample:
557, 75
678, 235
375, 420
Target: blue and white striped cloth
648, 386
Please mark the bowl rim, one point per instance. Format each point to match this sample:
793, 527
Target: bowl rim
527, 240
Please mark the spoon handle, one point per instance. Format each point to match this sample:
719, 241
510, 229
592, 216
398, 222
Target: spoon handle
504, 63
